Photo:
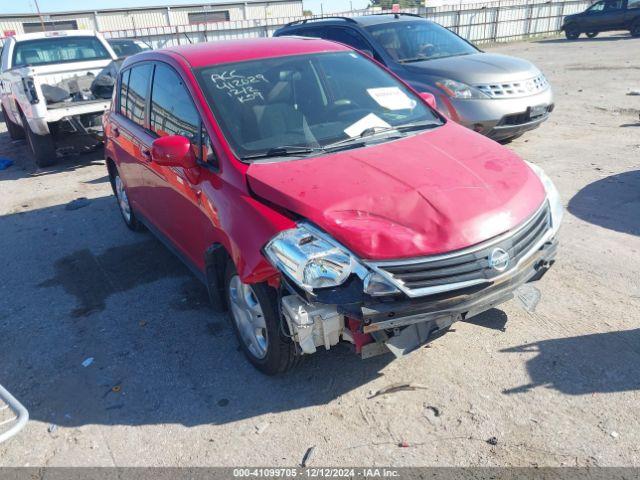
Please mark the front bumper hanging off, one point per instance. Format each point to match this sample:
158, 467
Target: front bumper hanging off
402, 324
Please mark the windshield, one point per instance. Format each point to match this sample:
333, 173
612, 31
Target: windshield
124, 48
58, 50
307, 102
417, 41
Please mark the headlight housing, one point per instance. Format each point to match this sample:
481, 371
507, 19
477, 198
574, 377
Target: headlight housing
555, 202
462, 91
313, 260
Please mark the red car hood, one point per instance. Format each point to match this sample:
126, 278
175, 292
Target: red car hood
430, 193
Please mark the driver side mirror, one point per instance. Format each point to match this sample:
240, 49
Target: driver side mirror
430, 99
173, 151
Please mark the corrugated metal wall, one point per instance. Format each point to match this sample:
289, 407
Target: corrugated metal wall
106, 20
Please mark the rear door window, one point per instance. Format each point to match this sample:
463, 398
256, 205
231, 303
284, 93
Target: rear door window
347, 36
139, 79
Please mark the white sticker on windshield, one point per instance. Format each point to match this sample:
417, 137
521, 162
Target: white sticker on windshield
365, 123
391, 98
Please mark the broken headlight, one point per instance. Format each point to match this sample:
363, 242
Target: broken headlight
555, 202
313, 260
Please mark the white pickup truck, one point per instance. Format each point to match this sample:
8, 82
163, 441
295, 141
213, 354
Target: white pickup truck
48, 87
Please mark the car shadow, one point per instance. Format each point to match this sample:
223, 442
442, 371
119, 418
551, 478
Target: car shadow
612, 202
83, 289
598, 363
493, 319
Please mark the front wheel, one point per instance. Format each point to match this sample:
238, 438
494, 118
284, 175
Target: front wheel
592, 34
635, 29
256, 323
571, 32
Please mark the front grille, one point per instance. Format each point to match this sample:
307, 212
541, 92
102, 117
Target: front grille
470, 266
522, 88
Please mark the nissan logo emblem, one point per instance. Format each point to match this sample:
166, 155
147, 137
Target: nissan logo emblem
499, 259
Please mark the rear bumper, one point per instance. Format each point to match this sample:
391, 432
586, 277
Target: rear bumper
444, 309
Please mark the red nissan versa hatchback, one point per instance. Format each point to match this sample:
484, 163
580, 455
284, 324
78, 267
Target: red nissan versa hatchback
319, 198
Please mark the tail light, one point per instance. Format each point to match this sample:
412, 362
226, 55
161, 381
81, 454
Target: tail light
30, 90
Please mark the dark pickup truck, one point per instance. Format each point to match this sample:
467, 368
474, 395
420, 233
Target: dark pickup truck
604, 16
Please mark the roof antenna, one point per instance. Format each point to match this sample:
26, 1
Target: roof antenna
397, 15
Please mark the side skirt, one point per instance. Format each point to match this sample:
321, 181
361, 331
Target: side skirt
173, 249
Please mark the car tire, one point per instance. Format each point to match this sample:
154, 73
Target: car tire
16, 132
635, 29
592, 34
42, 147
571, 32
256, 321
120, 192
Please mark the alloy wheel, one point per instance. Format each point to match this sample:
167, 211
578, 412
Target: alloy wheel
123, 199
248, 317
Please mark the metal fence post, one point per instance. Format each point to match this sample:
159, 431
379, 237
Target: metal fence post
527, 29
497, 24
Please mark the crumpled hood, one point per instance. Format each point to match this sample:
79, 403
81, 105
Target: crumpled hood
435, 192
477, 68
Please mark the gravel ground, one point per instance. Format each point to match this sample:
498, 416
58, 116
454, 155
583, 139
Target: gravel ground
168, 386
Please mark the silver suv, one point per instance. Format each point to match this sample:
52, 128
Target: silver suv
496, 95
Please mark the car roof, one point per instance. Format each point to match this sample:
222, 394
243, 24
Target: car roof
364, 20
230, 51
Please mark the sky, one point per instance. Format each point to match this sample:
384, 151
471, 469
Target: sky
27, 6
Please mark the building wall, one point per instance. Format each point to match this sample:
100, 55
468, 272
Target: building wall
156, 16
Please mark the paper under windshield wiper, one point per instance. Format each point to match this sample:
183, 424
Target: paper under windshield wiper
284, 151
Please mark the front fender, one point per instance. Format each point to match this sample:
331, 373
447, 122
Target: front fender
242, 224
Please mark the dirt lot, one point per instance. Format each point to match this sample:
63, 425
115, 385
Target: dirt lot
168, 385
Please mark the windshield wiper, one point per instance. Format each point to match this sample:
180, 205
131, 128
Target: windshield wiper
369, 132
422, 59
351, 142
414, 59
283, 151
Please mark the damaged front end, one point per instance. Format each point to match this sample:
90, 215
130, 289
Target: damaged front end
329, 294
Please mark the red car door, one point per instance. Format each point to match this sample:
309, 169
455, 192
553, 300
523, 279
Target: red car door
173, 194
